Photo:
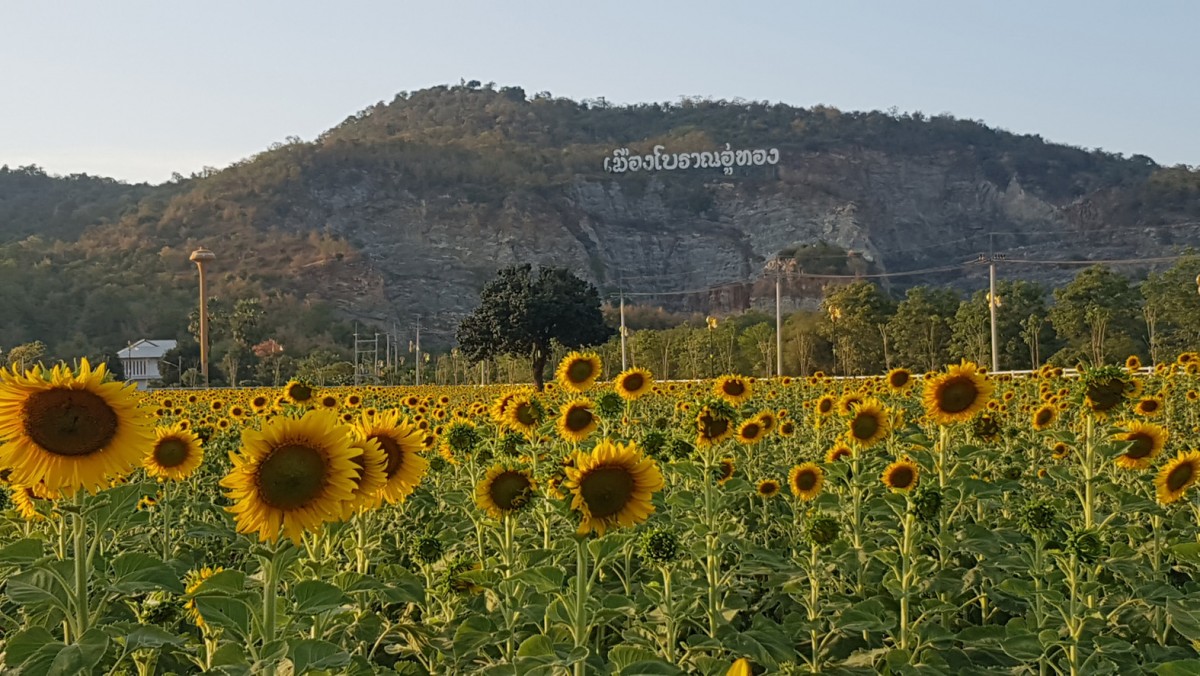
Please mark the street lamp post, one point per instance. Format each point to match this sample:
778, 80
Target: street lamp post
200, 257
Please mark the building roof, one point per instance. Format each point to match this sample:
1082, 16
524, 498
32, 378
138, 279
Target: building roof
147, 349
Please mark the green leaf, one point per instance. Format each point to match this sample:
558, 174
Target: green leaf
1188, 552
1178, 668
80, 659
21, 553
622, 656
1183, 620
653, 667
149, 636
472, 633
313, 654
137, 573
538, 645
1023, 647
38, 586
226, 612
22, 645
543, 579
226, 581
315, 596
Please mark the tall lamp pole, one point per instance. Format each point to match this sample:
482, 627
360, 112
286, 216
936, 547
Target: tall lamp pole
200, 257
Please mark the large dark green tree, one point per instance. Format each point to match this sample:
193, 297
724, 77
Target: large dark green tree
522, 311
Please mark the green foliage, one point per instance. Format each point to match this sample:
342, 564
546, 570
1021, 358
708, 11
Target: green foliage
1096, 315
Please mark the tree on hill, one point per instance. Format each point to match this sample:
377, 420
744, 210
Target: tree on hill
521, 313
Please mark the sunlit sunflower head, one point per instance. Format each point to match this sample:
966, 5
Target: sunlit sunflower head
329, 401
1149, 407
1060, 450
733, 389
1147, 441
1044, 416
402, 442
260, 403
292, 475
868, 424
899, 379
787, 428
956, 395
23, 498
768, 420
632, 383
806, 480
578, 371
371, 462
353, 400
524, 414
751, 432
712, 426
70, 430
1178, 475
845, 405
299, 393
577, 420
1133, 363
768, 488
725, 469
826, 405
504, 491
612, 487
838, 451
901, 475
176, 453
192, 581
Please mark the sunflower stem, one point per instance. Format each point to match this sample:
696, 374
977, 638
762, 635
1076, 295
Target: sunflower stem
814, 599
270, 593
79, 526
669, 611
166, 513
582, 582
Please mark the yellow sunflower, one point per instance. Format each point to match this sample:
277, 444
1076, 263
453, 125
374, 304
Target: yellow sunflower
768, 488
1148, 441
712, 427
1149, 407
175, 455
825, 405
1045, 416
524, 413
1177, 476
577, 420
578, 371
839, 451
956, 395
1059, 450
503, 491
725, 470
899, 379
632, 383
70, 430
787, 428
868, 424
806, 480
192, 581
294, 474
298, 392
733, 389
768, 420
901, 475
751, 432
371, 462
846, 404
23, 500
402, 443
1133, 363
612, 486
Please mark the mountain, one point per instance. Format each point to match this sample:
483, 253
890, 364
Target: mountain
408, 207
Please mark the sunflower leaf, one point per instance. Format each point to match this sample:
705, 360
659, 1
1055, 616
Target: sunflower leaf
313, 654
315, 596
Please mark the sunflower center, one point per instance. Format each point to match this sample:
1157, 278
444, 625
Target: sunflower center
751, 431
1043, 417
1107, 394
509, 490
578, 419
1142, 446
171, 452
901, 477
825, 406
69, 422
768, 489
607, 490
525, 414
300, 392
864, 426
633, 382
899, 379
579, 371
1149, 406
805, 480
291, 476
734, 388
958, 395
395, 454
1180, 476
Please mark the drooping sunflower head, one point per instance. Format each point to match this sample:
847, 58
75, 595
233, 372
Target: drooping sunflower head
725, 469
503, 491
751, 432
577, 420
70, 430
192, 582
1146, 442
612, 487
299, 393
292, 475
899, 379
901, 475
1045, 416
402, 443
868, 424
806, 480
633, 383
768, 488
713, 425
371, 462
733, 389
1177, 476
956, 395
578, 371
176, 453
1108, 387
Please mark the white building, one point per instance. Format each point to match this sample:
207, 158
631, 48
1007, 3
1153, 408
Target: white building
140, 360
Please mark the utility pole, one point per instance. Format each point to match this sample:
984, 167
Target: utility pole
623, 365
418, 365
200, 257
993, 303
778, 325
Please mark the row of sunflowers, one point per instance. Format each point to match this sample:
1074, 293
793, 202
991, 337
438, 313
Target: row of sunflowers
948, 522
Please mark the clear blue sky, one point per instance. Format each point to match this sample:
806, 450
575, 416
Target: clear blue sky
136, 90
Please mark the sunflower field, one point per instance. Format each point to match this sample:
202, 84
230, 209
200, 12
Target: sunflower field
954, 522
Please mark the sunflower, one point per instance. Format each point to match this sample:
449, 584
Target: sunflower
578, 371
1108, 387
175, 455
1177, 476
260, 403
401, 442
1149, 407
70, 430
768, 420
733, 389
846, 404
503, 491
524, 414
712, 427
868, 424
768, 488
633, 383
1133, 363
787, 428
577, 420
353, 400
901, 475
751, 432
23, 499
298, 392
294, 474
839, 451
371, 461
329, 401
1147, 440
192, 581
725, 469
612, 486
806, 480
1059, 450
1045, 416
956, 395
899, 379
825, 405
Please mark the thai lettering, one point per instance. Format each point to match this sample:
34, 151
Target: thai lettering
622, 161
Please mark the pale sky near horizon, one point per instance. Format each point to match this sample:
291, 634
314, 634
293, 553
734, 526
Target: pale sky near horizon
138, 89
